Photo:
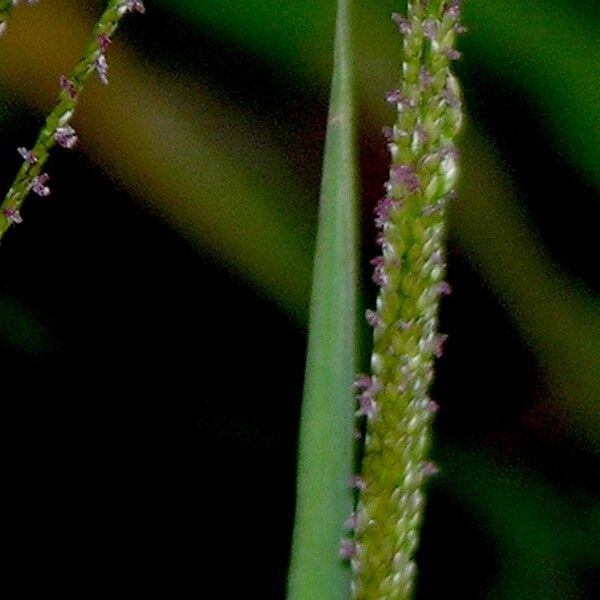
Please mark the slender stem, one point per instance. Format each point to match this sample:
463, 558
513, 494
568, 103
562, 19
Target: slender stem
409, 272
57, 128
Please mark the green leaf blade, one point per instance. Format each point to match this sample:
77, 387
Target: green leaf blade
324, 500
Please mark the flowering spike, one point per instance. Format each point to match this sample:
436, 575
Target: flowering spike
57, 129
410, 274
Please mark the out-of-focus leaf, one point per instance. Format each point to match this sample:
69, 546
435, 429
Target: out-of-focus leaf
558, 320
325, 457
552, 53
543, 47
540, 536
288, 33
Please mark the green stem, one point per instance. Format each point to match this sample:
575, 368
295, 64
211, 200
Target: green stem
31, 174
410, 274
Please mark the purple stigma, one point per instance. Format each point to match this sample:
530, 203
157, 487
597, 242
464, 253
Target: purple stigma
406, 176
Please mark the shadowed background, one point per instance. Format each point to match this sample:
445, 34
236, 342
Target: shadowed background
152, 310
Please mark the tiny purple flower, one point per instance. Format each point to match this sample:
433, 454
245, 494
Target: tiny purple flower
367, 406
440, 343
363, 382
27, 155
388, 133
452, 9
430, 28
104, 42
432, 406
351, 522
347, 549
393, 96
373, 319
12, 215
101, 67
402, 22
131, 6
379, 277
406, 176
451, 99
358, 483
382, 210
430, 469
425, 78
66, 137
38, 185
443, 288
68, 86
452, 54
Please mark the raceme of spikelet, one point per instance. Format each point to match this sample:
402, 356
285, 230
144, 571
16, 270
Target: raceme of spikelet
394, 399
57, 129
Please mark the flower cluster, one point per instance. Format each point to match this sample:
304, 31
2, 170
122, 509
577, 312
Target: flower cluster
58, 128
394, 399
